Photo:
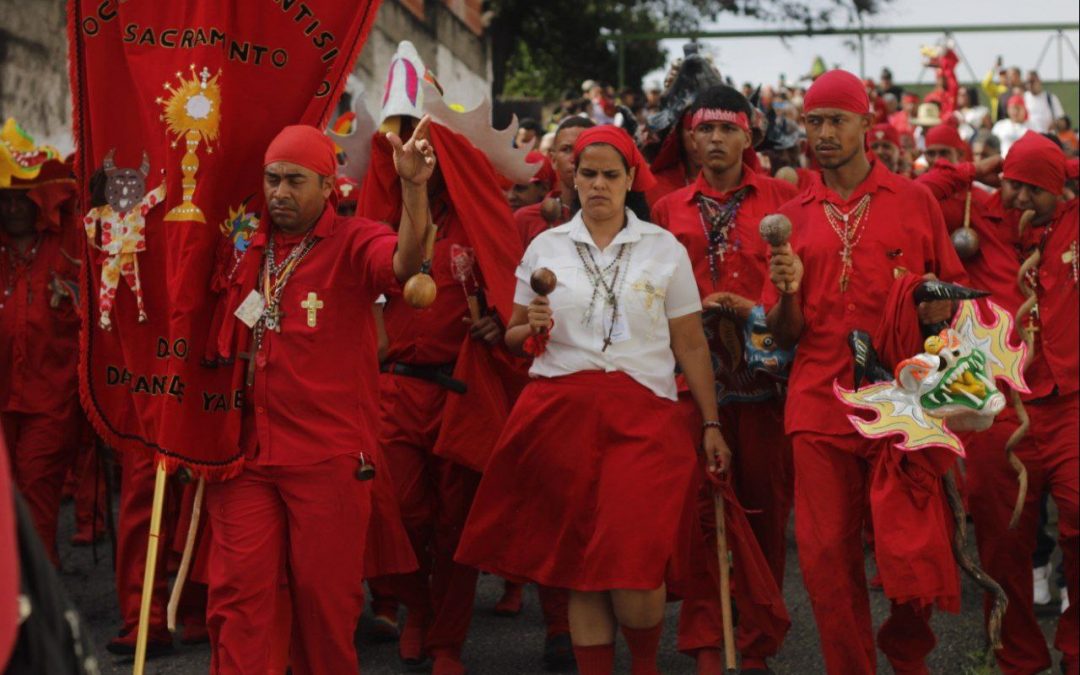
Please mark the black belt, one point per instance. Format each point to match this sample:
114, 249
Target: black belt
440, 374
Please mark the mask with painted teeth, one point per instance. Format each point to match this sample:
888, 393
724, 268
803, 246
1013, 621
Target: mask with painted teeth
952, 382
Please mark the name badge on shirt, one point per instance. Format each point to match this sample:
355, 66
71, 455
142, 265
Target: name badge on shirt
251, 309
620, 332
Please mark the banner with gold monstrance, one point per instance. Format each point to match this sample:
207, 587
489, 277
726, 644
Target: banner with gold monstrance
174, 105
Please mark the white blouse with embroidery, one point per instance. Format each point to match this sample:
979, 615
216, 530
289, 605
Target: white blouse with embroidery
656, 283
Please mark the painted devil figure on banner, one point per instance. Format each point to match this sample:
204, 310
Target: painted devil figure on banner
174, 104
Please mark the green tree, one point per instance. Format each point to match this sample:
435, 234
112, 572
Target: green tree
544, 47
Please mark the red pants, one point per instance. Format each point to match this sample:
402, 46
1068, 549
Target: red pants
89, 493
42, 447
1050, 454
435, 496
309, 522
763, 481
831, 477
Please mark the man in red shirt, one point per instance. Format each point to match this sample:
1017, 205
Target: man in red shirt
39, 334
1034, 178
298, 509
847, 233
885, 144
554, 210
717, 219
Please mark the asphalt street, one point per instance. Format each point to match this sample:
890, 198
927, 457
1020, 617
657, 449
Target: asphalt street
512, 646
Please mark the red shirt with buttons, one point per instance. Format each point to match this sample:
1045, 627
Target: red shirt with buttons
316, 390
433, 336
902, 230
744, 269
1056, 364
39, 321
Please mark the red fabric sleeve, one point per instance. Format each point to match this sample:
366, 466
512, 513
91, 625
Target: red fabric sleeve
371, 252
945, 179
942, 259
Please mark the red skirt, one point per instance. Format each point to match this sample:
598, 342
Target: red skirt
586, 487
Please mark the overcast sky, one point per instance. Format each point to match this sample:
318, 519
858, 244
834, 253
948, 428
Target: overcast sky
762, 60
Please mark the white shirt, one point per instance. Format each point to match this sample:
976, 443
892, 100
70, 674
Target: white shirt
1008, 132
1042, 108
656, 284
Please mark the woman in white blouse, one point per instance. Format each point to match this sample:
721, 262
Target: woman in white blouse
589, 481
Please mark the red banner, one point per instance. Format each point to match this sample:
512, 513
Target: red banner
175, 103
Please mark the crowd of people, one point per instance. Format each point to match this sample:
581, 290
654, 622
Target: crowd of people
581, 366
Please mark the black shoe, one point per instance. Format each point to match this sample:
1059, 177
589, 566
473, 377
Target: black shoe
122, 645
559, 653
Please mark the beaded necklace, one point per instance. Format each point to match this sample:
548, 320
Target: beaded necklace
717, 220
598, 278
274, 278
847, 227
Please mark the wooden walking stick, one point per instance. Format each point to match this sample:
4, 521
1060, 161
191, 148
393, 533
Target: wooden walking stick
185, 560
725, 584
151, 566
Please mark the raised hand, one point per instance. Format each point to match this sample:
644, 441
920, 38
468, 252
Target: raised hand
414, 159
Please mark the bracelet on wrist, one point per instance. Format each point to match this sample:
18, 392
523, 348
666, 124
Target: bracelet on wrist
711, 424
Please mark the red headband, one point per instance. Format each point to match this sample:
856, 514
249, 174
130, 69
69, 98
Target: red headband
617, 138
304, 145
837, 89
720, 115
1036, 160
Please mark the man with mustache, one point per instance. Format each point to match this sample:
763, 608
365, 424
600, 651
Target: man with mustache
854, 233
716, 219
300, 507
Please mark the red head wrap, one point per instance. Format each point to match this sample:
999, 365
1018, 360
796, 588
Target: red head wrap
910, 98
947, 135
1036, 160
885, 132
52, 190
1017, 100
304, 145
837, 89
617, 138
546, 173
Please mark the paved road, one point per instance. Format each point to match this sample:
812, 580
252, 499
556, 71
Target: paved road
501, 646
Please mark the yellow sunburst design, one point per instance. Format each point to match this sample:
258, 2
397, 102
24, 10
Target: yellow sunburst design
192, 112
1005, 360
897, 414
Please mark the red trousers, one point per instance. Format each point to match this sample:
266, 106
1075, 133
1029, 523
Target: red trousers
1052, 458
831, 477
308, 523
42, 447
435, 495
89, 493
764, 482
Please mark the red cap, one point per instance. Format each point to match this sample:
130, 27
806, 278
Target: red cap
885, 132
546, 173
1036, 160
304, 145
617, 138
910, 98
946, 134
1017, 100
837, 89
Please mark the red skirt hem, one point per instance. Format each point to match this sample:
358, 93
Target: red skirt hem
587, 487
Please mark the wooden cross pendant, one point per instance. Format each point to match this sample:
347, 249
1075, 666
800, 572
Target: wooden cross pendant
250, 356
313, 304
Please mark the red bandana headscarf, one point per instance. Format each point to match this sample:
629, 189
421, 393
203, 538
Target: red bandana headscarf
304, 145
1036, 160
947, 135
617, 138
885, 132
837, 89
